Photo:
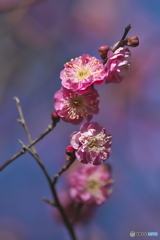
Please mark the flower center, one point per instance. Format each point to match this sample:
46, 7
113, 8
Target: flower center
92, 142
83, 73
77, 102
92, 185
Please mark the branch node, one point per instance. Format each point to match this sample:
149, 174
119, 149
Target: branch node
20, 121
49, 202
121, 42
16, 99
22, 144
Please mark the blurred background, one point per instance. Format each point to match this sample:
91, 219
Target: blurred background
36, 38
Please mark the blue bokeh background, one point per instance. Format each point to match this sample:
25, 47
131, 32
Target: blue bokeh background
35, 42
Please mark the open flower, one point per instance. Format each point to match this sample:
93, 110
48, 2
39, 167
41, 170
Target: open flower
117, 64
92, 143
90, 184
73, 108
80, 73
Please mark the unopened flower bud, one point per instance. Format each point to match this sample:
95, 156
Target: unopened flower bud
103, 50
70, 150
70, 153
132, 41
54, 116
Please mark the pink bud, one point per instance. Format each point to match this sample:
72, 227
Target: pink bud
70, 150
132, 41
103, 50
54, 116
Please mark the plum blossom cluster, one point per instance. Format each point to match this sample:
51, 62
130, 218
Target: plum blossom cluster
77, 100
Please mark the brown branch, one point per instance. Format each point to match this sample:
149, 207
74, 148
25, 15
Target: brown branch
49, 129
64, 168
53, 190
34, 154
120, 43
48, 202
40, 163
23, 122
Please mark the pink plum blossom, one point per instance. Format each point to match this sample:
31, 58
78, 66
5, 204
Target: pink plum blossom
74, 108
117, 64
92, 143
90, 184
80, 73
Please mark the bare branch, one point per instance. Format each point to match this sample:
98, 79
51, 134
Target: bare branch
64, 168
23, 122
53, 190
36, 157
48, 202
120, 43
49, 129
123, 37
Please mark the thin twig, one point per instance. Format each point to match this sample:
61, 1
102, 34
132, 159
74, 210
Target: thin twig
49, 129
53, 190
123, 37
64, 168
40, 163
49, 202
120, 43
23, 122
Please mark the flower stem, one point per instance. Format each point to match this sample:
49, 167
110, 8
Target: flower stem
64, 168
120, 43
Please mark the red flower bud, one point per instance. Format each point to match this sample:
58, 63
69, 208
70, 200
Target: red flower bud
103, 50
54, 116
70, 150
70, 153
